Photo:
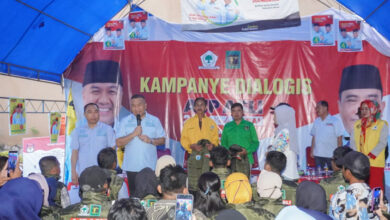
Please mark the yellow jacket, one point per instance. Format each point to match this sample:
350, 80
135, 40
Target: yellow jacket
191, 132
375, 143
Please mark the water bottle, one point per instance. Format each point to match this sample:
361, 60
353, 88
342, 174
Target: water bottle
326, 170
318, 171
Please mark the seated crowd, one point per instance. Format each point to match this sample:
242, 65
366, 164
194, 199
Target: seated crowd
220, 194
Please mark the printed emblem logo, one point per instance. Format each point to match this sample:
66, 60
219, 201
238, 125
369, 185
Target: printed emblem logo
84, 211
198, 157
233, 59
95, 210
246, 128
209, 59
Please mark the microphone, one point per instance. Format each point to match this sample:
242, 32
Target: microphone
138, 120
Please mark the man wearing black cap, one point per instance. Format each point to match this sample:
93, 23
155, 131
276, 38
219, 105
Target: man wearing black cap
332, 183
358, 83
103, 85
353, 202
93, 191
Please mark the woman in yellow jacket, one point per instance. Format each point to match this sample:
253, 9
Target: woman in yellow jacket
370, 137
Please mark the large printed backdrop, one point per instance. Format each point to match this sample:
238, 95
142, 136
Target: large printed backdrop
171, 74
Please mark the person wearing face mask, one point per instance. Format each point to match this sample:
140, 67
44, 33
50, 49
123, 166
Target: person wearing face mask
369, 137
139, 134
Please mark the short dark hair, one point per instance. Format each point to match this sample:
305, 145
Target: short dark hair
342, 29
237, 105
327, 25
201, 99
106, 158
358, 164
127, 209
316, 24
173, 179
338, 155
48, 163
323, 103
219, 156
276, 160
138, 96
91, 103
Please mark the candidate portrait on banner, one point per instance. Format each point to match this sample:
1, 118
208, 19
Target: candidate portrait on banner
17, 116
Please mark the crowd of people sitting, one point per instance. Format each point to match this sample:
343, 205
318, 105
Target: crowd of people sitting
220, 194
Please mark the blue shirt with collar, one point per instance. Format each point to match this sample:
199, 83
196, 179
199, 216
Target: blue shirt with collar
139, 154
89, 142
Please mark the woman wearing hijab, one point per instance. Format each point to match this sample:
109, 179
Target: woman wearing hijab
370, 138
21, 198
310, 204
286, 139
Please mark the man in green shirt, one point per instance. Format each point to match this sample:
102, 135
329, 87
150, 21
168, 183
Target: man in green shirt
240, 132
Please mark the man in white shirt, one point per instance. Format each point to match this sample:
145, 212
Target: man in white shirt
327, 134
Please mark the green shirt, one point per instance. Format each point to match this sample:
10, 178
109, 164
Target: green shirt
331, 185
243, 134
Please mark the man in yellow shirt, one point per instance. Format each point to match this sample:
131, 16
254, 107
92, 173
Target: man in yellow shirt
199, 127
197, 130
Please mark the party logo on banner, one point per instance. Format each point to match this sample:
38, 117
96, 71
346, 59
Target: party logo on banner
233, 59
209, 59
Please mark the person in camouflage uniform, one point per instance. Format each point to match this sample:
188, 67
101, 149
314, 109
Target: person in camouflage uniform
276, 162
239, 196
198, 163
333, 183
173, 181
219, 161
146, 187
107, 160
269, 189
50, 169
94, 200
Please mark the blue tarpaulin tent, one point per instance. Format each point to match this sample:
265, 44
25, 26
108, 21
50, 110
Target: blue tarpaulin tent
40, 38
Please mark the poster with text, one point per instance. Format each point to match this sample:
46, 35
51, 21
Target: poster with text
322, 30
36, 148
235, 15
349, 39
138, 28
54, 126
114, 37
17, 116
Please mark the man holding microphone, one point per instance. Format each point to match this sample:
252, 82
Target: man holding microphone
139, 133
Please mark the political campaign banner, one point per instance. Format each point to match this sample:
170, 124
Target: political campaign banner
17, 116
54, 126
349, 39
37, 147
178, 66
234, 15
322, 30
114, 36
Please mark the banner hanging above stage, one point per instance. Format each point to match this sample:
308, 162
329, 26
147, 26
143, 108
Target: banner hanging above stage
235, 15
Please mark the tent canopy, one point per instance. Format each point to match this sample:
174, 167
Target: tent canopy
41, 37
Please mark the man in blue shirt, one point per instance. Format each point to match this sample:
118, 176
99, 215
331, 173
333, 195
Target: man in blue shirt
139, 133
87, 140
